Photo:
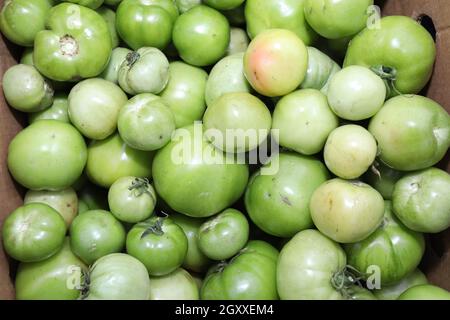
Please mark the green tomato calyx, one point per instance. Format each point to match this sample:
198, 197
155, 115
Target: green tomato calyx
68, 46
132, 58
85, 283
140, 186
153, 228
344, 281
389, 76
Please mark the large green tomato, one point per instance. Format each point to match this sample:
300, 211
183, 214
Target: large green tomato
346, 211
383, 179
65, 202
185, 93
413, 132
400, 50
393, 248
76, 44
146, 23
393, 291
180, 170
93, 4
94, 106
110, 18
33, 232
337, 19
96, 233
59, 110
111, 159
279, 203
422, 200
177, 285
195, 259
118, 276
237, 122
201, 36
111, 72
21, 20
26, 90
283, 14
304, 120
250, 275
425, 292
275, 62
239, 41
159, 243
55, 278
225, 77
47, 155
223, 4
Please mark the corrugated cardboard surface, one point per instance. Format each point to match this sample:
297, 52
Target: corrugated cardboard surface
437, 261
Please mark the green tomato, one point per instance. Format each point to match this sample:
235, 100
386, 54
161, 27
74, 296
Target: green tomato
337, 19
96, 233
238, 41
393, 248
201, 36
304, 120
224, 235
82, 207
93, 4
33, 232
279, 203
321, 69
65, 202
226, 76
144, 71
195, 259
180, 168
425, 292
178, 285
185, 5
132, 199
21, 20
118, 276
282, 14
250, 275
110, 159
400, 50
393, 291
146, 126
383, 179
413, 132
356, 93
146, 23
346, 211
47, 155
118, 56
349, 151
237, 122
422, 200
185, 93
159, 243
110, 18
55, 278
94, 106
26, 90
275, 62
76, 44
59, 110
223, 4
27, 57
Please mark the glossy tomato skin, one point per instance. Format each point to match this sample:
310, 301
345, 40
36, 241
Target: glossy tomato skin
33, 232
395, 249
49, 279
96, 233
402, 46
111, 72
393, 291
250, 275
177, 285
15, 18
279, 203
67, 53
47, 155
111, 159
159, 243
110, 18
57, 111
425, 292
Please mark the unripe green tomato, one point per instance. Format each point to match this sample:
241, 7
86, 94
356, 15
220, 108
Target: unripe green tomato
223, 4
111, 72
304, 121
94, 106
59, 110
185, 93
227, 76
237, 122
275, 62
27, 56
93, 4
110, 18
177, 285
238, 41
393, 291
185, 5
349, 151
201, 36
82, 206
144, 71
425, 292
26, 90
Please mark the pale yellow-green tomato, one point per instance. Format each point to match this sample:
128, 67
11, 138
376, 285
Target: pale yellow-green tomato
178, 285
